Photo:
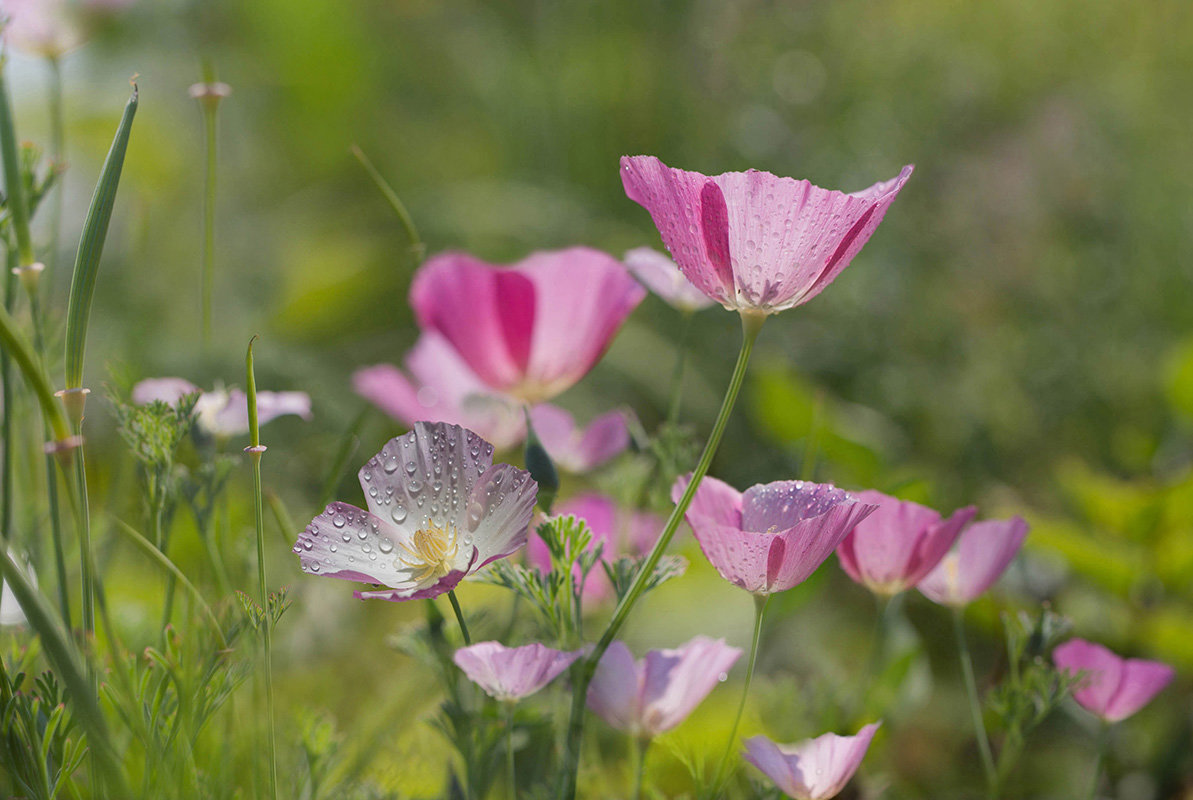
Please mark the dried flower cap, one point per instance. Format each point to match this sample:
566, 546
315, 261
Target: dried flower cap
662, 277
655, 694
812, 769
772, 536
983, 552
438, 510
437, 385
512, 673
532, 329
753, 241
900, 543
1114, 687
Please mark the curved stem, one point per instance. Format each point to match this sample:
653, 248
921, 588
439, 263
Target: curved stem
751, 325
511, 774
638, 748
207, 268
57, 157
975, 705
451, 595
760, 603
1103, 741
677, 375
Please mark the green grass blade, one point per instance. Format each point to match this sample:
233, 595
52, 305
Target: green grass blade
91, 246
19, 351
14, 188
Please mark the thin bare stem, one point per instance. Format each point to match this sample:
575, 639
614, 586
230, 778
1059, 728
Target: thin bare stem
760, 604
451, 595
975, 704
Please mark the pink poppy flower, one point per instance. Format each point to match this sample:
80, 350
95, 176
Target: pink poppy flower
753, 241
983, 553
579, 450
511, 673
1114, 688
772, 536
814, 769
438, 510
651, 696
659, 274
223, 413
899, 543
52, 28
441, 388
532, 329
621, 532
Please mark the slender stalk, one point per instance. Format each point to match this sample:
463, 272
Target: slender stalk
207, 269
751, 326
975, 704
680, 362
417, 248
511, 774
760, 603
255, 451
8, 478
451, 595
638, 748
82, 509
57, 155
1099, 759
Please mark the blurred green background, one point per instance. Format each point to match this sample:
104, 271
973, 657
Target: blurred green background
1018, 333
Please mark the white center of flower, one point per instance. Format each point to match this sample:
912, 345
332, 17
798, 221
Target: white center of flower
431, 552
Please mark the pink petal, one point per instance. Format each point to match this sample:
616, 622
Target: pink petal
1141, 681
715, 500
660, 275
577, 451
984, 551
676, 681
614, 693
166, 390
512, 673
797, 552
813, 769
1114, 688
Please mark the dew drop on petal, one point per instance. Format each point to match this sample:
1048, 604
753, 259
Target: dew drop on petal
399, 513
385, 546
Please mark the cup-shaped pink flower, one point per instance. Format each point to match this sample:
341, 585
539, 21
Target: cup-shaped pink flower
772, 536
576, 449
534, 328
1114, 688
813, 769
223, 413
511, 673
441, 388
983, 552
900, 543
651, 696
752, 241
438, 510
620, 532
663, 278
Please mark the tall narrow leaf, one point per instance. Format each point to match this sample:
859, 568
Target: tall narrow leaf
14, 188
91, 246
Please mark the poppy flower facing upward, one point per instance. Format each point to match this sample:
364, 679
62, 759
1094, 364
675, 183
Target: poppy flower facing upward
438, 510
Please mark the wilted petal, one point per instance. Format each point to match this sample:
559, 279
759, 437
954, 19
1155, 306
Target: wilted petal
813, 769
984, 551
511, 673
660, 275
1114, 688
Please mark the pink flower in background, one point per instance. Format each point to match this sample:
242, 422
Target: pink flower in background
1114, 688
651, 696
621, 532
441, 388
983, 553
580, 450
772, 536
753, 241
438, 510
511, 673
660, 275
223, 413
814, 769
52, 28
899, 543
532, 329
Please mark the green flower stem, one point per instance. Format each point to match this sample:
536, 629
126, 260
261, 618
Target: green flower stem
14, 188
1099, 759
255, 451
451, 595
57, 155
417, 248
511, 774
760, 603
975, 704
8, 478
582, 676
207, 269
638, 748
680, 362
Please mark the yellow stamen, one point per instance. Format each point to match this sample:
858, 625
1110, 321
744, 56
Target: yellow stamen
432, 551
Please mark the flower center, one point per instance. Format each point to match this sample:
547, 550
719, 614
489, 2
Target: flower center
431, 551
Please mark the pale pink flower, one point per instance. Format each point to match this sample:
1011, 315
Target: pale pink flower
52, 28
983, 552
532, 329
576, 449
223, 413
1114, 688
772, 536
621, 532
441, 388
511, 673
438, 510
813, 769
660, 275
899, 543
752, 241
651, 696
